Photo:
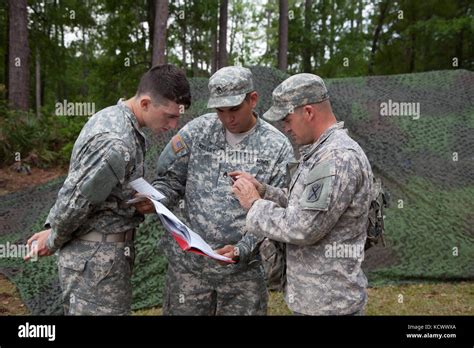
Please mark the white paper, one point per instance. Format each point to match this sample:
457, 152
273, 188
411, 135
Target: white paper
141, 186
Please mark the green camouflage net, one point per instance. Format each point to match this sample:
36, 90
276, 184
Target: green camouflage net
426, 164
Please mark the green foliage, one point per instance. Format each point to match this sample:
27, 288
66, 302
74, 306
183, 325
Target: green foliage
96, 51
50, 137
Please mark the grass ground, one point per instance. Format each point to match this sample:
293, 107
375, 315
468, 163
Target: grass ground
418, 299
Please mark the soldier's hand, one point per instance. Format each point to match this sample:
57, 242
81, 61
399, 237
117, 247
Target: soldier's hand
245, 192
236, 175
145, 206
229, 251
39, 248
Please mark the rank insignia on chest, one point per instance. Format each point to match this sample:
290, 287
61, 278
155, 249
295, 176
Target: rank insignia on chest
177, 143
314, 192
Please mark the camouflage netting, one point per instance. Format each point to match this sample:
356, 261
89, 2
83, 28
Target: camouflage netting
426, 165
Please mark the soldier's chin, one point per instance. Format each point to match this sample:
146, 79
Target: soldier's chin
158, 130
296, 140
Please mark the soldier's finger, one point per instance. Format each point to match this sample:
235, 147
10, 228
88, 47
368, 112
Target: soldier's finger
32, 238
239, 183
236, 173
235, 188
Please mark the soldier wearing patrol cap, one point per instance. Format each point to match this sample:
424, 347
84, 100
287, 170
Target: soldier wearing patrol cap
322, 215
91, 225
197, 166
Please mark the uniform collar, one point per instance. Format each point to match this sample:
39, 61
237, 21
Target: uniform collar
308, 150
218, 131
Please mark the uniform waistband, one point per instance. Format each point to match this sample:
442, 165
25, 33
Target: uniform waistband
110, 237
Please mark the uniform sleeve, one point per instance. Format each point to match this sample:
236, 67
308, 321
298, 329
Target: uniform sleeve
328, 190
277, 195
95, 172
250, 243
172, 168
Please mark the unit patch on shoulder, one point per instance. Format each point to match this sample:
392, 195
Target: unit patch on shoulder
314, 192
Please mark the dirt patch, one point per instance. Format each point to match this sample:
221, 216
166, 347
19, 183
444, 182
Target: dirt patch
12, 181
10, 301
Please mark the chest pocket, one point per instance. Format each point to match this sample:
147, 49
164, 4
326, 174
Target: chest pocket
318, 186
261, 169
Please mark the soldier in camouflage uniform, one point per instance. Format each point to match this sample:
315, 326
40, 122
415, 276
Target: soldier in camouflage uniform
322, 215
197, 166
90, 224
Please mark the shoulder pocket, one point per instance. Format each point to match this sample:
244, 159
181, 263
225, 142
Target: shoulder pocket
318, 186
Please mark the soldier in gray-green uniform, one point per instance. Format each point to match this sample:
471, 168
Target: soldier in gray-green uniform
91, 225
322, 215
195, 167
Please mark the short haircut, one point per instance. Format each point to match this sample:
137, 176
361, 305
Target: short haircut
165, 82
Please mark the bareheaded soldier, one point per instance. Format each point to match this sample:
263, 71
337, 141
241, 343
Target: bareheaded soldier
91, 225
197, 166
322, 215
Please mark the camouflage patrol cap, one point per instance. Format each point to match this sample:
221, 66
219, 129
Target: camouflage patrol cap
228, 86
297, 90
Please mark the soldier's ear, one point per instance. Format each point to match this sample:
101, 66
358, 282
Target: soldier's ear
144, 102
253, 99
309, 111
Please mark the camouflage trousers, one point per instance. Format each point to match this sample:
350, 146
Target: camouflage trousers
95, 277
187, 294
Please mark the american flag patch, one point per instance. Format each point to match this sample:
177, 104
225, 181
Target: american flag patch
177, 143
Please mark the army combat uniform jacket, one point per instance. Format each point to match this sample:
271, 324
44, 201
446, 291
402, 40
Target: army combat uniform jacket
192, 167
322, 216
95, 276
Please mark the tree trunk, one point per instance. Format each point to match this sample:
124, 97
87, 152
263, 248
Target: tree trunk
332, 29
412, 50
307, 37
7, 48
222, 60
151, 23
323, 34
383, 11
214, 60
268, 17
360, 16
233, 30
84, 87
18, 51
283, 36
183, 38
159, 36
194, 67
38, 83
